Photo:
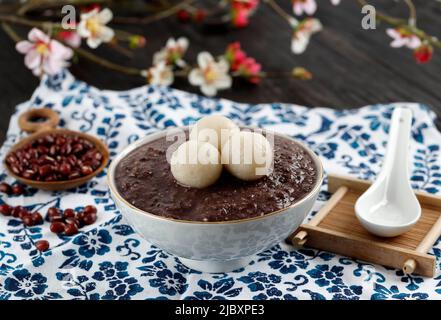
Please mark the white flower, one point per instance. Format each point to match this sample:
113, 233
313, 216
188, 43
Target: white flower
303, 32
173, 52
304, 6
211, 75
335, 2
160, 74
403, 38
93, 27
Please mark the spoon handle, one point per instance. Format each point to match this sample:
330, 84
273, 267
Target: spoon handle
395, 165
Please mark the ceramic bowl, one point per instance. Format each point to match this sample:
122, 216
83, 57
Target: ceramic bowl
214, 246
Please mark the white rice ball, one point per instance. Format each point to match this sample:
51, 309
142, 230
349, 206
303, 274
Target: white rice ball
248, 155
214, 129
196, 164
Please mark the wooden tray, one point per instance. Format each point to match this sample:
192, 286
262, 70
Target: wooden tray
335, 228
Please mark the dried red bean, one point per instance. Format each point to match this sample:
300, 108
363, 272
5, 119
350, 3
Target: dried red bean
59, 141
5, 188
89, 209
90, 218
5, 209
37, 218
73, 220
74, 175
29, 174
42, 245
80, 216
57, 227
54, 214
86, 170
77, 148
42, 150
69, 213
53, 211
65, 169
55, 157
11, 159
45, 170
17, 169
53, 150
70, 229
18, 189
49, 139
16, 211
27, 220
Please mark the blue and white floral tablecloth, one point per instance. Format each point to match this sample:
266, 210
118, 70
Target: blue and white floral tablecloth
109, 260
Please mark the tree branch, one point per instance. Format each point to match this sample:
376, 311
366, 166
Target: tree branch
156, 17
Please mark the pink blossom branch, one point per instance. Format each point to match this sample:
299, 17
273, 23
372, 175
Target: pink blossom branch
277, 9
395, 22
156, 17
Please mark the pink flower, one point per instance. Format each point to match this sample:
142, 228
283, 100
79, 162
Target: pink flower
304, 6
71, 38
303, 32
43, 54
235, 55
250, 70
241, 10
403, 38
241, 64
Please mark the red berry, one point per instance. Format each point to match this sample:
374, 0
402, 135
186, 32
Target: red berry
42, 245
70, 229
5, 209
423, 54
183, 15
57, 227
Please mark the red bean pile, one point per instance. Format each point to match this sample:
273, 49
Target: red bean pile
55, 157
67, 222
16, 189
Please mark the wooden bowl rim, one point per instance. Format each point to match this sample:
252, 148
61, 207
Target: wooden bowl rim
62, 183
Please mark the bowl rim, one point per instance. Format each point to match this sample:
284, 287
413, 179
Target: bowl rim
159, 134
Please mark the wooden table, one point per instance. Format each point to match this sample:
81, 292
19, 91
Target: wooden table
352, 67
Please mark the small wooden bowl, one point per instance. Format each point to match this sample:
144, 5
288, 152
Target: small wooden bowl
45, 128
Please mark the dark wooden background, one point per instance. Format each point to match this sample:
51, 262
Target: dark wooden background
352, 67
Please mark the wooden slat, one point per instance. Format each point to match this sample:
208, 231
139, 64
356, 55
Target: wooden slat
337, 229
363, 249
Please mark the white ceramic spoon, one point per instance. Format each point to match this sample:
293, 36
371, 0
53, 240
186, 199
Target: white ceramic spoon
389, 207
